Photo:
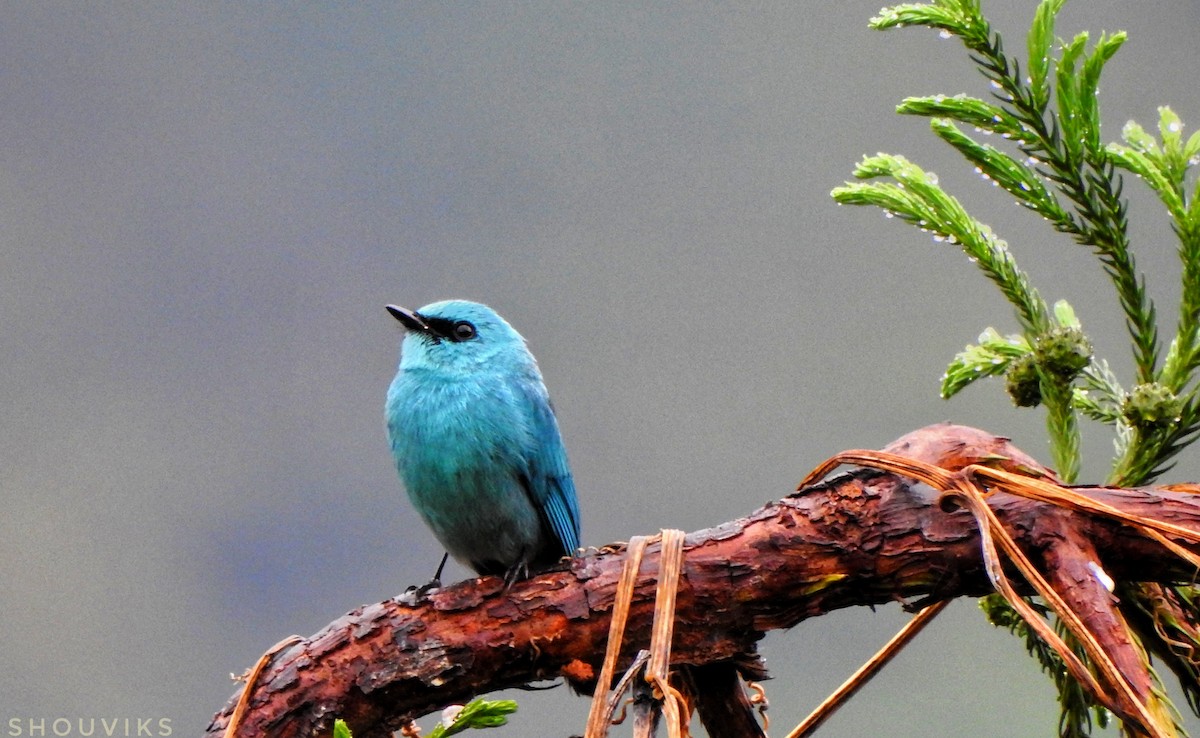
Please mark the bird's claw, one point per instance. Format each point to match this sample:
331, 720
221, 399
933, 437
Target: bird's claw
414, 594
518, 572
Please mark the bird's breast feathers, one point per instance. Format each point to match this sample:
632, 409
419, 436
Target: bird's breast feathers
456, 423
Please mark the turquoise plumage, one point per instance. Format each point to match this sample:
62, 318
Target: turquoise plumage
476, 441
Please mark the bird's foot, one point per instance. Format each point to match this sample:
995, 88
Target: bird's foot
430, 586
518, 572
415, 594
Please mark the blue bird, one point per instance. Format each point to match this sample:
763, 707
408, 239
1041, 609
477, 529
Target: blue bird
476, 442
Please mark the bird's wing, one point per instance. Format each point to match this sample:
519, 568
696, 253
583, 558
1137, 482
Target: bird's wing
550, 484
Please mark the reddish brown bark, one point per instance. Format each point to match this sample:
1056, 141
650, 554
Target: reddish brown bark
862, 538
1066, 557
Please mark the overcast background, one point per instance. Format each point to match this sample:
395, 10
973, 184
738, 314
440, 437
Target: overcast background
204, 208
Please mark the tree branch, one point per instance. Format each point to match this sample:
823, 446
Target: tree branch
861, 538
1072, 565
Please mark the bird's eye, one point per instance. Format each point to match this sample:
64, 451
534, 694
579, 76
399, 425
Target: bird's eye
463, 331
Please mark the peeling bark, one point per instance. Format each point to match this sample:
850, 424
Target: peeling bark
861, 538
1072, 567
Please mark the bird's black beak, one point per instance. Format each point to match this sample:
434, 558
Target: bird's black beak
410, 319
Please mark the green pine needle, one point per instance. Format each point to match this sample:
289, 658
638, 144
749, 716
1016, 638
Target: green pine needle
1016, 178
1101, 395
476, 714
916, 198
990, 357
1041, 36
969, 110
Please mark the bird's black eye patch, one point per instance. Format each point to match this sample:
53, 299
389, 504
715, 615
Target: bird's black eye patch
451, 330
463, 331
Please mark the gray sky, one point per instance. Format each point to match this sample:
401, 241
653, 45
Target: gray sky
207, 205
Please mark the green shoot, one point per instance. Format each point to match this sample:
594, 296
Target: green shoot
476, 714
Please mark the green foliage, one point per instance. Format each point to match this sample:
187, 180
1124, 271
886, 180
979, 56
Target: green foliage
478, 713
1051, 160
1023, 384
916, 198
1056, 165
993, 355
1151, 407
